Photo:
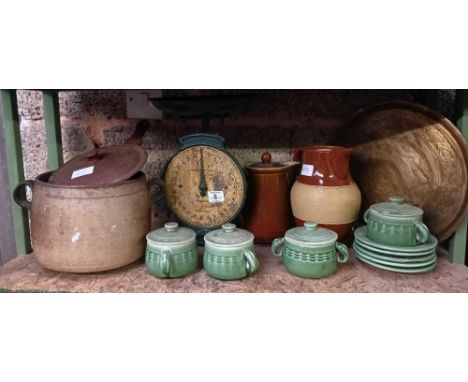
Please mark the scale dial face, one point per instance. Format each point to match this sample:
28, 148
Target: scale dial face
204, 186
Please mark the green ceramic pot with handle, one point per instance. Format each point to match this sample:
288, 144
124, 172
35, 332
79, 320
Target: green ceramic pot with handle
171, 251
396, 223
229, 253
310, 251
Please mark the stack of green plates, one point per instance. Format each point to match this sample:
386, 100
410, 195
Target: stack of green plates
418, 259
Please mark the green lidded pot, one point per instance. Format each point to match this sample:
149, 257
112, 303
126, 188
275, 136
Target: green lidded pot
310, 251
171, 251
396, 223
229, 253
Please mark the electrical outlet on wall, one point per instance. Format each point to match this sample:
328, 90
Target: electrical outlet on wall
140, 106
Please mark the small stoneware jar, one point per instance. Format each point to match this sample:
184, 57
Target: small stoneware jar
396, 223
171, 251
310, 251
229, 253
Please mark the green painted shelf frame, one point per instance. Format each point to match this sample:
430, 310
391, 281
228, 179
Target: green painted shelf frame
14, 157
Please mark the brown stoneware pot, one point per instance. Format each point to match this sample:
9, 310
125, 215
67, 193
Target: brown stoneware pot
324, 191
268, 212
87, 229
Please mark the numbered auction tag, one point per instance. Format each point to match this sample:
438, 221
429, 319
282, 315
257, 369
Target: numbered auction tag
215, 196
307, 170
82, 172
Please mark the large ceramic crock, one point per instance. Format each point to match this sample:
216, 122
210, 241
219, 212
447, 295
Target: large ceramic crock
87, 229
229, 253
171, 251
310, 251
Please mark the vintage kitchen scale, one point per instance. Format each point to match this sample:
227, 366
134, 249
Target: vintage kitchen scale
205, 186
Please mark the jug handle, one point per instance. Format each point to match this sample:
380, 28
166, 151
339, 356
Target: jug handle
20, 197
343, 251
337, 158
252, 261
297, 154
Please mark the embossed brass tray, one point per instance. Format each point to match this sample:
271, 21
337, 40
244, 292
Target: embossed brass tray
402, 148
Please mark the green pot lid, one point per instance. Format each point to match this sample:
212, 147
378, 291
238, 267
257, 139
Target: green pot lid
431, 244
311, 235
171, 233
229, 236
395, 207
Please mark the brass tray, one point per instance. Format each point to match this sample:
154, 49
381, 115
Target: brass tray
402, 148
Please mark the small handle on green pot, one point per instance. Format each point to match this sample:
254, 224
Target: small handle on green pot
165, 262
19, 194
275, 245
366, 216
343, 252
422, 232
252, 261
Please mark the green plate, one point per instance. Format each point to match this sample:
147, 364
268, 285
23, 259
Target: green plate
370, 256
417, 250
398, 270
394, 258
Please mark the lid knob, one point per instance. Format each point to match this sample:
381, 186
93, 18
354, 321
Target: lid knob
396, 199
266, 157
171, 227
310, 226
228, 227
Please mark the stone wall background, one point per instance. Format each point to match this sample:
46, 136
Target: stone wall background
277, 121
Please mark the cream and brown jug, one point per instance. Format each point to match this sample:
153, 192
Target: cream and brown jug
324, 191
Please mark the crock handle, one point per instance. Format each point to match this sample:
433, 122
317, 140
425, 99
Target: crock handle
343, 251
252, 262
19, 194
422, 232
275, 245
165, 262
158, 182
297, 154
366, 216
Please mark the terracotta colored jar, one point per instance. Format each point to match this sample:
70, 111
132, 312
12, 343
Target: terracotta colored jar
324, 191
268, 213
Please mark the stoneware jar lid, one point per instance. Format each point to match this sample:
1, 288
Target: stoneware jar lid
229, 236
266, 165
101, 167
171, 233
311, 235
395, 207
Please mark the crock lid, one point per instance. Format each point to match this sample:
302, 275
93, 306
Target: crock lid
229, 236
171, 233
266, 164
395, 207
311, 235
101, 166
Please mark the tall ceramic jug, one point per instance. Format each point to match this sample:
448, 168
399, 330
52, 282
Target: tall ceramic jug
324, 191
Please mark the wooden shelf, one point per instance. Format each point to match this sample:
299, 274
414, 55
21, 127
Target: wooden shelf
25, 274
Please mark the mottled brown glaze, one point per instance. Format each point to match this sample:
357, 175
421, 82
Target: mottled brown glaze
326, 193
268, 212
406, 149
